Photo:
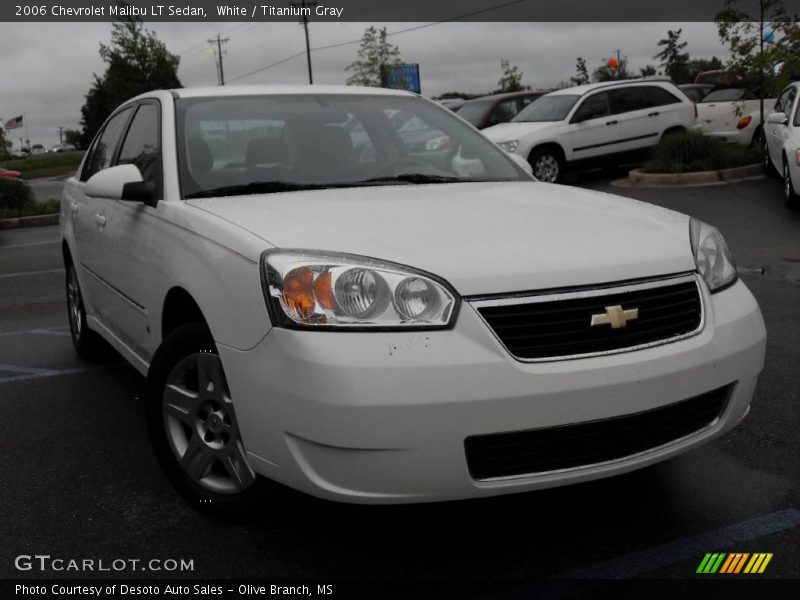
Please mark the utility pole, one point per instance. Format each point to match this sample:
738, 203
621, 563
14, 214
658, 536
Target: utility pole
619, 64
219, 41
303, 5
60, 134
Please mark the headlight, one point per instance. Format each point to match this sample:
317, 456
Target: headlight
711, 254
320, 290
510, 146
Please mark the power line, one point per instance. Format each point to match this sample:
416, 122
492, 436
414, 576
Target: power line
351, 42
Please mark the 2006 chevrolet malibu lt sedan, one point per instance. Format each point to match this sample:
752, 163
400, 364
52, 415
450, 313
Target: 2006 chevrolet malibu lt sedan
353, 293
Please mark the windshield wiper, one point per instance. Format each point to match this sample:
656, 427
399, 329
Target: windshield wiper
260, 187
416, 178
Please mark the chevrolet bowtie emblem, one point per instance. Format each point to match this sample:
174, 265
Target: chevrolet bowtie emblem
615, 316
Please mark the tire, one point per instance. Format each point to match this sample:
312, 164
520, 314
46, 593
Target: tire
547, 164
88, 344
791, 197
194, 432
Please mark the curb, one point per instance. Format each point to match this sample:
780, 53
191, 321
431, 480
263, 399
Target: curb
37, 221
638, 177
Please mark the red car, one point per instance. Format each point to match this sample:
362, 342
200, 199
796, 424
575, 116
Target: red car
10, 174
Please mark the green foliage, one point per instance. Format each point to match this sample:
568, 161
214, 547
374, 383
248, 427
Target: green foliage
674, 62
581, 76
692, 151
4, 144
72, 136
15, 197
606, 73
753, 58
700, 65
45, 165
648, 71
137, 62
374, 54
511, 78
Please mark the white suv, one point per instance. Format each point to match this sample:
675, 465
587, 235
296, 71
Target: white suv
319, 300
592, 122
782, 142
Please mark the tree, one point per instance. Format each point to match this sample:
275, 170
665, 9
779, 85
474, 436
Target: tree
72, 136
4, 144
374, 54
674, 62
759, 43
606, 73
511, 78
648, 71
137, 62
581, 73
700, 65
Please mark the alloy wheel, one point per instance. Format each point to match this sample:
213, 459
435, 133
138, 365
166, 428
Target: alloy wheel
74, 303
201, 425
546, 168
787, 183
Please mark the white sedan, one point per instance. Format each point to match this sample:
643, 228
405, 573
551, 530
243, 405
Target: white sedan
403, 324
782, 150
733, 115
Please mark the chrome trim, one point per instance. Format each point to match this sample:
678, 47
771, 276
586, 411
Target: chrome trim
590, 293
676, 442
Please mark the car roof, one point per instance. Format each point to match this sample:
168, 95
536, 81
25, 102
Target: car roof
260, 90
580, 90
504, 95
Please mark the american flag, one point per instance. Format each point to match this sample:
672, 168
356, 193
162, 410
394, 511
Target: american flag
14, 123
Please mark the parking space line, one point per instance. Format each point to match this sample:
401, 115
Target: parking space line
58, 331
650, 559
27, 373
30, 245
25, 273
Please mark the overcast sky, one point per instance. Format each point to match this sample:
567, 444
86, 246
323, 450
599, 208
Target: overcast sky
46, 68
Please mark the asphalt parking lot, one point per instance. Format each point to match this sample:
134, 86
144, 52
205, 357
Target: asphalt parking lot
79, 479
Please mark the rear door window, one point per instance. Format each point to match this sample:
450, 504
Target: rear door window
628, 100
658, 96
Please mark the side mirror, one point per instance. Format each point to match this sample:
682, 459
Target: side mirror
778, 118
521, 163
123, 182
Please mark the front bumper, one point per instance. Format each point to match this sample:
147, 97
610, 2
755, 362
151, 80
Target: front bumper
382, 417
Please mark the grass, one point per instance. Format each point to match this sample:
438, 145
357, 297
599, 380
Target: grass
44, 165
51, 207
691, 152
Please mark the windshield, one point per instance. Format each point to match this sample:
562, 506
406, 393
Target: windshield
547, 108
473, 112
276, 143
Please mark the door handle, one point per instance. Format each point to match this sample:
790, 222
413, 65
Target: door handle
611, 122
100, 220
654, 114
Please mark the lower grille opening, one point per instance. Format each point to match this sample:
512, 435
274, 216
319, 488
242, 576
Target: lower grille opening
593, 442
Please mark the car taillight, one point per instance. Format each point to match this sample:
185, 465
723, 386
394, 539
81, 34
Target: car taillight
744, 122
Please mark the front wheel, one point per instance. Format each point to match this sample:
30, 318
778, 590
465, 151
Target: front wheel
193, 425
546, 164
87, 343
791, 197
769, 167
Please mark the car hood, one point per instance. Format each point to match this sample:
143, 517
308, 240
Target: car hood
484, 238
515, 131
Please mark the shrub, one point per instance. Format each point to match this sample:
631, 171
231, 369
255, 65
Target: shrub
15, 196
688, 152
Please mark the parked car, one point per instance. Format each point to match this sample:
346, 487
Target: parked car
696, 91
495, 109
594, 123
37, 149
782, 145
711, 77
452, 103
22, 153
62, 148
732, 115
8, 174
382, 330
